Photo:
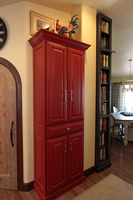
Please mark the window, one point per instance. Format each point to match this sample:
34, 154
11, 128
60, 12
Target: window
123, 101
128, 99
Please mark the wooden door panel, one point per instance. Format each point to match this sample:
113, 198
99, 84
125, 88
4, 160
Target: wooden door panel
56, 83
75, 156
75, 84
56, 163
8, 150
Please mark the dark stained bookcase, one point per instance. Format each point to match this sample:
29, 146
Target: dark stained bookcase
103, 92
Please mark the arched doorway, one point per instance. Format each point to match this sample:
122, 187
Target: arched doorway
14, 72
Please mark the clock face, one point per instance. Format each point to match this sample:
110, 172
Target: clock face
3, 33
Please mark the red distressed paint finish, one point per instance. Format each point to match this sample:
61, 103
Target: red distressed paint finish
58, 82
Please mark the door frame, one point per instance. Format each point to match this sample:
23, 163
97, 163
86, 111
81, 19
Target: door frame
17, 79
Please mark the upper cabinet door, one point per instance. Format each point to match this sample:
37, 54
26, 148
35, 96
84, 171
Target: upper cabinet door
75, 84
56, 83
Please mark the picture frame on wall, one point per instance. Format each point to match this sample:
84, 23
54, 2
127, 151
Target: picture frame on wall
39, 21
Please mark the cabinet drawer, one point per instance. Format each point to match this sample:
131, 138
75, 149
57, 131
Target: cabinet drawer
64, 129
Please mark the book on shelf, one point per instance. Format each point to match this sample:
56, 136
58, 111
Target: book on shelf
103, 42
103, 93
104, 60
103, 77
104, 26
102, 154
102, 139
103, 108
103, 124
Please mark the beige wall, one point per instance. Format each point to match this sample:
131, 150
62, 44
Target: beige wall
118, 79
18, 51
88, 35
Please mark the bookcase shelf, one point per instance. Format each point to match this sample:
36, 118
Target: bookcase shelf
107, 50
105, 68
104, 84
103, 98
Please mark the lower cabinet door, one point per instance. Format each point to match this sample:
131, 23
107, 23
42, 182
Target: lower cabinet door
75, 156
56, 163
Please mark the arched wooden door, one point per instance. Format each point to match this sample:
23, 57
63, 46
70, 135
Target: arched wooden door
11, 161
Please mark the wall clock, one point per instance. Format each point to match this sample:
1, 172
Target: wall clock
3, 33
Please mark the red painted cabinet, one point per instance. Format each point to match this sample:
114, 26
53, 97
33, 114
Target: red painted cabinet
65, 75
56, 163
58, 88
56, 83
75, 156
64, 161
75, 85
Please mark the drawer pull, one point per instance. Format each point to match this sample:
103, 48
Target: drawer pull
65, 148
65, 95
68, 129
71, 146
71, 95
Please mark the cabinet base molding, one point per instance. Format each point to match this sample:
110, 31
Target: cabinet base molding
102, 167
30, 186
59, 192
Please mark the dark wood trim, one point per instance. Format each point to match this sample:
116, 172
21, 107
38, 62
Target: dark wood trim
101, 168
17, 78
89, 171
28, 186
102, 163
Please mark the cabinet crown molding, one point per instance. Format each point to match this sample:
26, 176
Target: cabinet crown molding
48, 35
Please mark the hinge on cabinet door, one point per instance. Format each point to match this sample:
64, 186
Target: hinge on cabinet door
71, 95
65, 95
71, 146
65, 148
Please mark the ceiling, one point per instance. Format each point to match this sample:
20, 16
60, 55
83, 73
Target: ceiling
121, 13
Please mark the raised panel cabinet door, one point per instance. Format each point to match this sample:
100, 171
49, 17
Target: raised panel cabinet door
56, 83
75, 85
56, 163
75, 156
8, 132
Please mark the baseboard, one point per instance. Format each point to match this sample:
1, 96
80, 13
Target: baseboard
89, 171
28, 186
